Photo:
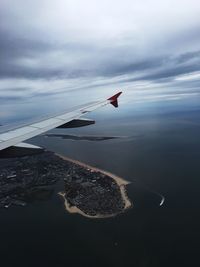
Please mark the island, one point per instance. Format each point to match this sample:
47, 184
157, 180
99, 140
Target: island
83, 137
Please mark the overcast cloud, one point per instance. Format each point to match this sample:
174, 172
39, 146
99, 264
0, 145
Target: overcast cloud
52, 47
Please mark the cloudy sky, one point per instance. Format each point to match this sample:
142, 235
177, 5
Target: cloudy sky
147, 48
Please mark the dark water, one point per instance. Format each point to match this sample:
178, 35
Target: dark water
160, 152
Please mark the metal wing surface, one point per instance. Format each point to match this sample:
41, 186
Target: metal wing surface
18, 135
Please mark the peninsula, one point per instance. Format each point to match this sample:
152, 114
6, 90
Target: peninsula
93, 192
87, 190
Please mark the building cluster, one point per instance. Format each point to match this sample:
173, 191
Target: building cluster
93, 192
24, 179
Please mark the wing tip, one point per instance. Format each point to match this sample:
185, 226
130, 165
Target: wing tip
114, 99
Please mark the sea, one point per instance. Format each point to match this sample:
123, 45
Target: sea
158, 151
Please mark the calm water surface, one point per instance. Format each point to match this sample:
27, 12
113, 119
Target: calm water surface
160, 152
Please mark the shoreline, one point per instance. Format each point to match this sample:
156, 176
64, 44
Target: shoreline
119, 180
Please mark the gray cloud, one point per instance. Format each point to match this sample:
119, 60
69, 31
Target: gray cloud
19, 55
50, 47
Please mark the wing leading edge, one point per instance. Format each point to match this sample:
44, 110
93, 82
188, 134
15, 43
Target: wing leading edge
20, 134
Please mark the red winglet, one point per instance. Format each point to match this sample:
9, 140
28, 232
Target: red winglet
113, 99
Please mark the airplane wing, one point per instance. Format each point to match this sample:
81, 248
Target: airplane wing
13, 140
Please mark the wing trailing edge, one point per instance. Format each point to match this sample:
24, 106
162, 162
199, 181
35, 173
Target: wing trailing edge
77, 123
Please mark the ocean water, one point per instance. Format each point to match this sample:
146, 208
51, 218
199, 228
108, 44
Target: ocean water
159, 153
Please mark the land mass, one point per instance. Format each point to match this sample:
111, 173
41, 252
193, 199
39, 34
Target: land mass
87, 190
93, 192
82, 137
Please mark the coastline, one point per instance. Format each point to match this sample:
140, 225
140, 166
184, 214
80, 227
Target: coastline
119, 180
